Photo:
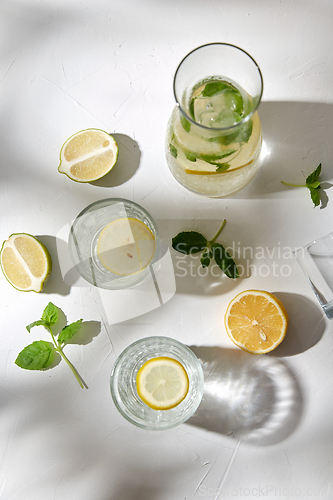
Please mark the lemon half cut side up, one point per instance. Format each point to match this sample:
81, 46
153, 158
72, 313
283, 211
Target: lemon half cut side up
256, 321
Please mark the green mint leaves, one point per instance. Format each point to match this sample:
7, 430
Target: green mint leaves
312, 183
189, 242
40, 354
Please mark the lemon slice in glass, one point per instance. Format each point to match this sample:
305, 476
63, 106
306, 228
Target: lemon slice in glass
126, 246
256, 321
88, 155
25, 262
162, 383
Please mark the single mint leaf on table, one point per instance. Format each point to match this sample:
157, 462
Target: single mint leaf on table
36, 356
313, 185
206, 258
314, 176
40, 354
189, 242
50, 314
315, 195
39, 322
69, 331
224, 261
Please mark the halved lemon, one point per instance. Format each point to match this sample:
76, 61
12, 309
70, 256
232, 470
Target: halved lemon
162, 383
256, 321
25, 262
126, 246
88, 155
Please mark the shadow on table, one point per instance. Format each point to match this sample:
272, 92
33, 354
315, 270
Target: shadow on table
297, 137
253, 398
55, 283
307, 324
127, 163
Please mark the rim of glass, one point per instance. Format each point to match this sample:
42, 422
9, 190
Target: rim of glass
114, 201
247, 117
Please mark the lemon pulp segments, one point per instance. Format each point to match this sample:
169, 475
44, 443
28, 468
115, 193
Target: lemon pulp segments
126, 246
25, 262
88, 155
256, 321
162, 383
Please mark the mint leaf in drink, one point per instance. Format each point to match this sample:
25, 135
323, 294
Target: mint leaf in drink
50, 314
224, 261
185, 124
190, 156
312, 183
36, 356
222, 167
69, 331
191, 108
40, 354
189, 242
212, 88
212, 159
173, 150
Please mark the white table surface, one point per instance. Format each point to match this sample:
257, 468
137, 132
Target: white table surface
264, 428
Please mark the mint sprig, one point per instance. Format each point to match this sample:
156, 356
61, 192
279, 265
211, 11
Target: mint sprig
189, 242
312, 183
40, 354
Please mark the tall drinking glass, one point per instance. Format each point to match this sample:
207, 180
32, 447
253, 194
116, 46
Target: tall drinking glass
214, 134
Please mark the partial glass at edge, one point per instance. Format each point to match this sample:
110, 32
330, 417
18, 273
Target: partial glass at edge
123, 383
219, 154
83, 238
316, 261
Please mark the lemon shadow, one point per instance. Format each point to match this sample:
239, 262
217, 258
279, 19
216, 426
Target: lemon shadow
126, 165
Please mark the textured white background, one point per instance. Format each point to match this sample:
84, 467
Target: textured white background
264, 428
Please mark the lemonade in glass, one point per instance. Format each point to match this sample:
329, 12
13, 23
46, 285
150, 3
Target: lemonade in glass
214, 135
157, 383
113, 242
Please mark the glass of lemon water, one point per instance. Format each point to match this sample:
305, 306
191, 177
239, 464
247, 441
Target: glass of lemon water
214, 135
157, 383
113, 242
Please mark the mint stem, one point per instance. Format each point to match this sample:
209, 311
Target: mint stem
293, 185
218, 232
62, 354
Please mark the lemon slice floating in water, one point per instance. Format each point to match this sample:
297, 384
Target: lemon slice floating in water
126, 246
25, 262
88, 155
162, 383
256, 321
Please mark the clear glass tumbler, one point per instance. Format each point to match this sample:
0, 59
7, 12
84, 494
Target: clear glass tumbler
123, 383
316, 261
214, 134
85, 237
